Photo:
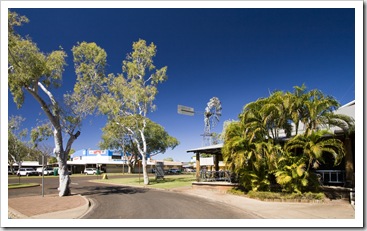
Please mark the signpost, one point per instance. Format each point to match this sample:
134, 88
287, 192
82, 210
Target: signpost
185, 110
42, 161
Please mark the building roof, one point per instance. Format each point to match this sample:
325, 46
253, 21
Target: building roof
347, 109
211, 149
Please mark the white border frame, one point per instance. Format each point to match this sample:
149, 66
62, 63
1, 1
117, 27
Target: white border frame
357, 222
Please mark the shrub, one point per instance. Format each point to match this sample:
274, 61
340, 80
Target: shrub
277, 195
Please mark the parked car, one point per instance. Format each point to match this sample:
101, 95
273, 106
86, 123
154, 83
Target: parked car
91, 171
55, 171
46, 171
174, 171
27, 172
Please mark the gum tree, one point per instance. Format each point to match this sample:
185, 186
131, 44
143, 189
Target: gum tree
30, 71
131, 95
158, 141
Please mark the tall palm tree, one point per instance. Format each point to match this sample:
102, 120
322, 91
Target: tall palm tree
253, 120
296, 108
318, 106
277, 114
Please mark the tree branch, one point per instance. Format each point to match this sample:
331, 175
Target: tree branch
71, 140
48, 93
44, 107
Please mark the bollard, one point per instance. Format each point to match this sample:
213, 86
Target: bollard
104, 177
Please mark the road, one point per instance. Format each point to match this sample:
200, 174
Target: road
123, 202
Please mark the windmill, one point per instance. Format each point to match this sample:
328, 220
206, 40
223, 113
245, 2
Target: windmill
212, 114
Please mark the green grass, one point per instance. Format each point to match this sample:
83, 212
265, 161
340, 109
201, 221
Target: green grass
170, 181
21, 185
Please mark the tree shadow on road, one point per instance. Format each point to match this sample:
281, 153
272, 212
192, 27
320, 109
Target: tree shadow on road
108, 190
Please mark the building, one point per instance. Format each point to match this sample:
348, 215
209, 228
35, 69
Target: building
111, 161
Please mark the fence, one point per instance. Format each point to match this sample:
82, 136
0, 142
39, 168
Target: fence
214, 176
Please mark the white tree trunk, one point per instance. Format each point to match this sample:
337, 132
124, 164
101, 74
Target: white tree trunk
145, 172
64, 178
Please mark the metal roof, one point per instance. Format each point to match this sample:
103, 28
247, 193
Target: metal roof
211, 149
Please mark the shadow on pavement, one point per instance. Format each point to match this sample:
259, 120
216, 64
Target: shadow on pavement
107, 190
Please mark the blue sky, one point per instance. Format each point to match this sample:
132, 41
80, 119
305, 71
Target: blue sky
237, 55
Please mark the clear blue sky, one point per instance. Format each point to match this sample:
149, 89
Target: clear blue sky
237, 55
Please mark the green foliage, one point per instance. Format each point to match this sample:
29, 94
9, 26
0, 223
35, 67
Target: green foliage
22, 185
28, 66
128, 100
286, 196
52, 160
156, 138
89, 62
30, 70
41, 133
254, 150
315, 145
19, 150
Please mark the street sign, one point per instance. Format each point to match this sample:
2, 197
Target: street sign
185, 110
42, 160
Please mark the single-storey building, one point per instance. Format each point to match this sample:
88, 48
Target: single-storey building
111, 161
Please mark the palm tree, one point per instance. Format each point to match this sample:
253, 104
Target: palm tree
277, 114
234, 147
291, 173
251, 145
253, 160
317, 108
297, 109
253, 120
302, 154
316, 144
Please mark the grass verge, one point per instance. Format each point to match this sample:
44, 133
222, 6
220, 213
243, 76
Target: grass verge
22, 185
170, 181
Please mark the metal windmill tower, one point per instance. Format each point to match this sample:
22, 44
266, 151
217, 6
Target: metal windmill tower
212, 114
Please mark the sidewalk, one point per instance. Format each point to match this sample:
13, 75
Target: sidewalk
73, 207
48, 207
336, 209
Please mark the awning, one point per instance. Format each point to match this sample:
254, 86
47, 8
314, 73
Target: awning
212, 149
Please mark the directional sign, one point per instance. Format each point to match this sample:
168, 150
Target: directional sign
185, 110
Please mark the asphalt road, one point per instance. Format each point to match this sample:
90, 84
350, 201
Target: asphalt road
123, 202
